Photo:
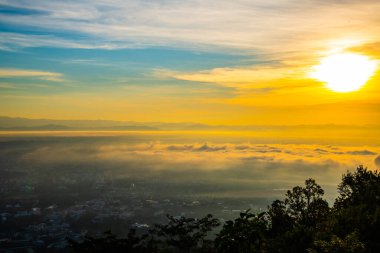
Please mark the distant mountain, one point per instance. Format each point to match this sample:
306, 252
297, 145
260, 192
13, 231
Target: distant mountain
24, 124
132, 128
42, 127
9, 123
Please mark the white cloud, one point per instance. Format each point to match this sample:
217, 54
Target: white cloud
43, 75
254, 76
272, 28
12, 41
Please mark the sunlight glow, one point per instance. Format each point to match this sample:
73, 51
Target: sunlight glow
344, 72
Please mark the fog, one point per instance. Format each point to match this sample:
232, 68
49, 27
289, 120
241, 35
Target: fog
176, 165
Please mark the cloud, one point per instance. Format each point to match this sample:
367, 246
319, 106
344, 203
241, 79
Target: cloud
319, 150
7, 86
229, 169
372, 49
196, 148
377, 161
239, 25
43, 75
255, 76
361, 152
11, 41
208, 148
180, 147
210, 155
242, 147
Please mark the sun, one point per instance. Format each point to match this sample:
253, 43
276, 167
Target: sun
344, 72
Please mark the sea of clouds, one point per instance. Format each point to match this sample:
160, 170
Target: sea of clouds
217, 169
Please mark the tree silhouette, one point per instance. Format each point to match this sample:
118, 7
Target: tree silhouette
185, 234
245, 234
357, 209
349, 244
110, 243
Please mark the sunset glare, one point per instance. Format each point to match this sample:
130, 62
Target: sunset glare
345, 72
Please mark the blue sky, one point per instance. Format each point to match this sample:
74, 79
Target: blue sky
96, 66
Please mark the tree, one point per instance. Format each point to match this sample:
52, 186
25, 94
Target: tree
280, 220
293, 221
360, 187
357, 208
305, 204
349, 244
110, 243
245, 234
185, 234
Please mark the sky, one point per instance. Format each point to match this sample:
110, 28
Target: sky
214, 62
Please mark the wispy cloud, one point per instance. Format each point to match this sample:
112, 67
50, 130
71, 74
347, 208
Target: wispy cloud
7, 86
242, 25
11, 41
43, 75
248, 77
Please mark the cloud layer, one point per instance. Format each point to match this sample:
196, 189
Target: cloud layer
244, 167
177, 164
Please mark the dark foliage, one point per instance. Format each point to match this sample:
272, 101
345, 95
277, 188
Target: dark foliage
245, 234
302, 222
185, 234
357, 209
110, 243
